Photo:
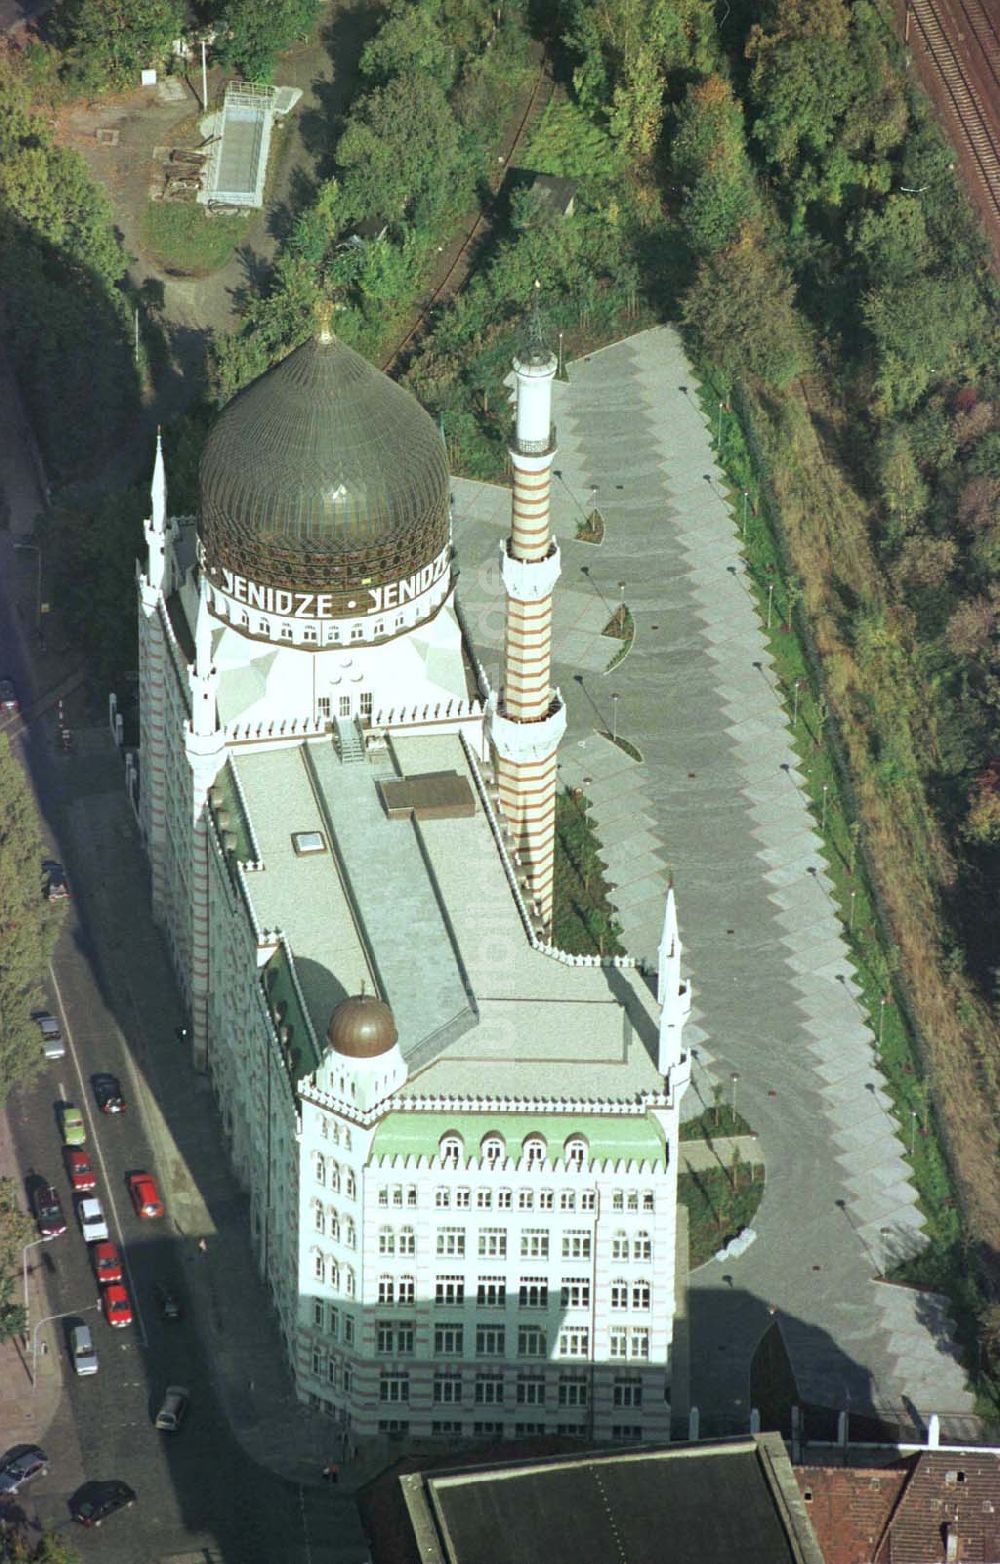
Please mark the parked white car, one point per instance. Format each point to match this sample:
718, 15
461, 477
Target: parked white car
91, 1218
82, 1350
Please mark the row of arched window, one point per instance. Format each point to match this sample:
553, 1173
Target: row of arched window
534, 1150
327, 1220
327, 1172
340, 1277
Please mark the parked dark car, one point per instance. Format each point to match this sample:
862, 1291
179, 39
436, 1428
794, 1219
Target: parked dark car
8, 698
95, 1501
108, 1093
56, 886
48, 1211
21, 1465
168, 1303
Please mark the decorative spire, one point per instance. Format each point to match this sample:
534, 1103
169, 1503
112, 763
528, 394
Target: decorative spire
158, 488
674, 996
670, 948
324, 321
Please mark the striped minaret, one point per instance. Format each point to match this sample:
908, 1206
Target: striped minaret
527, 718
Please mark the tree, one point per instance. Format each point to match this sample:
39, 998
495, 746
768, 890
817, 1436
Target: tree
251, 33
401, 154
93, 544
28, 928
904, 492
742, 306
15, 1231
107, 43
625, 50
410, 40
710, 163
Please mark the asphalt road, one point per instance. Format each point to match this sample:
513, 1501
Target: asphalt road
198, 1493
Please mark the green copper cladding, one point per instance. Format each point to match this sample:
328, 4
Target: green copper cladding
616, 1138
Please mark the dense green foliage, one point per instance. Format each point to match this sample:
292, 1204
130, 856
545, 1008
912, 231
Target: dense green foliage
15, 1232
91, 541
61, 264
28, 925
108, 43
250, 33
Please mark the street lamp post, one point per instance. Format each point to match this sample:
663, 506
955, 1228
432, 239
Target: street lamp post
614, 717
65, 1315
885, 1233
33, 548
734, 1081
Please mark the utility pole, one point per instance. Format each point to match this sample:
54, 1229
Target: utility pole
204, 79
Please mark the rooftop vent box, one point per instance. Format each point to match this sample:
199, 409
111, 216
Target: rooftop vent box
305, 843
432, 795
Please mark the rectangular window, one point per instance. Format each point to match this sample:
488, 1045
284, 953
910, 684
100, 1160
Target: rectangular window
626, 1432
627, 1393
488, 1430
397, 1194
318, 1362
448, 1341
404, 1339
394, 1387
576, 1292
534, 1244
442, 1198
333, 1372
334, 1323
531, 1392
451, 1240
525, 1200
390, 1425
504, 1199
383, 1195
633, 1200
574, 1343
618, 1342
444, 1430
489, 1341
640, 1295
567, 1200
640, 1344
619, 1295
619, 1246
348, 1330
407, 1241
447, 1388
572, 1391
386, 1290
411, 1195
449, 1290
319, 1312
533, 1293
545, 1200
489, 1389
463, 1199
366, 703
344, 706
383, 1336
642, 1248
484, 1199
406, 1289
323, 707
493, 1243
531, 1342
576, 1246
618, 1201
490, 1292
588, 1200
647, 1200
526, 1430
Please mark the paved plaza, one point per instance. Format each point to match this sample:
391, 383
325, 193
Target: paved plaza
718, 802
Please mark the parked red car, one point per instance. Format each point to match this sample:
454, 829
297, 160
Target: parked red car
78, 1169
145, 1195
117, 1305
107, 1262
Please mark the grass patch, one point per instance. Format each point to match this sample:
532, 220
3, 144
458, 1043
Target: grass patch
590, 529
183, 237
719, 1201
717, 1121
583, 921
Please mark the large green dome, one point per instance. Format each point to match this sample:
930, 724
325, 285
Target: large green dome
323, 474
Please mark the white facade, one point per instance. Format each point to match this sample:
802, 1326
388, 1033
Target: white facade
471, 1231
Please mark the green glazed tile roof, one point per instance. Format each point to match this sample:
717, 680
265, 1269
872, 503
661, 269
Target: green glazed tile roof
638, 1139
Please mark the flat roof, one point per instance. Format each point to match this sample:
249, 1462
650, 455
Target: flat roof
688, 1504
421, 911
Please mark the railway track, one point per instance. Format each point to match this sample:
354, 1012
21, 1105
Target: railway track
971, 117
449, 284
976, 22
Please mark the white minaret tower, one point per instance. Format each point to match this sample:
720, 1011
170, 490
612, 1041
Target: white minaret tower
526, 717
153, 584
205, 747
675, 1003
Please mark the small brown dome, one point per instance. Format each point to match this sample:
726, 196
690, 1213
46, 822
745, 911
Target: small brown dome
362, 1027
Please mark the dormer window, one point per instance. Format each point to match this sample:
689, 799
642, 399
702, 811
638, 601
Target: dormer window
450, 1150
575, 1151
493, 1150
534, 1150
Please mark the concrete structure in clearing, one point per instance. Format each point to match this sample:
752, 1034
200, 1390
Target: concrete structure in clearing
459, 1144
